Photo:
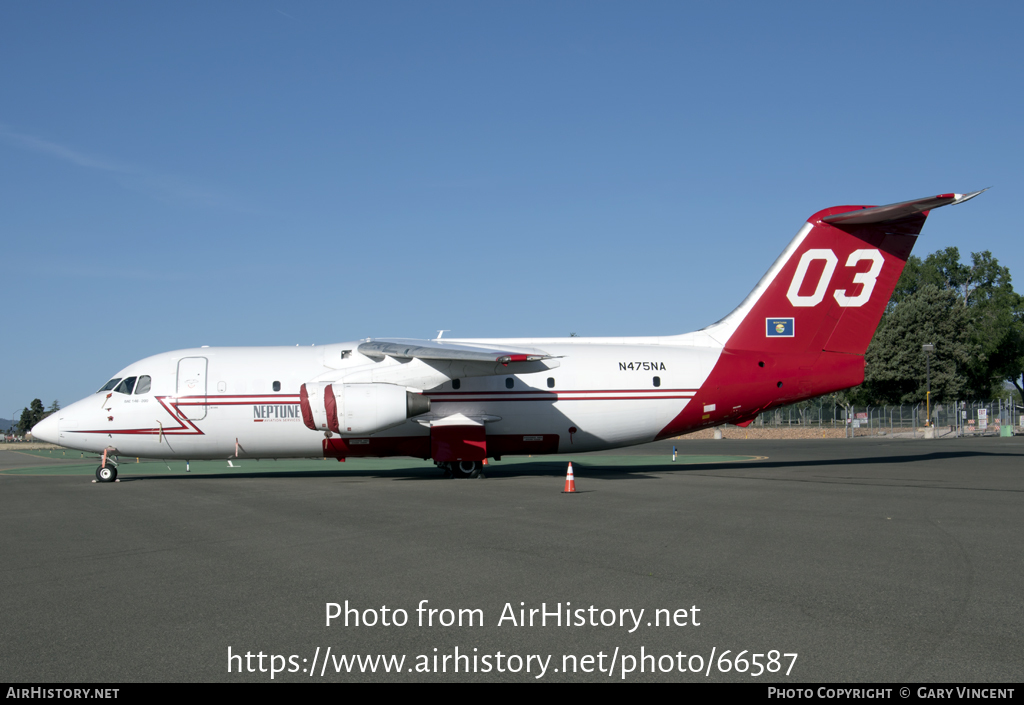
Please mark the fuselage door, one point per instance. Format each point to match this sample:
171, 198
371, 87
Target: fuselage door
192, 387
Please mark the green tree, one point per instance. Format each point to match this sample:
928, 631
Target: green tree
30, 416
984, 321
25, 422
895, 366
998, 318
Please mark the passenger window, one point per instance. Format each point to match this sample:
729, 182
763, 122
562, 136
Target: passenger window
509, 383
277, 386
110, 385
143, 386
456, 383
126, 386
657, 381
551, 382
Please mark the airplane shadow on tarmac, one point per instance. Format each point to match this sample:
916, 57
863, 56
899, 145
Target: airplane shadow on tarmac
605, 470
541, 469
872, 460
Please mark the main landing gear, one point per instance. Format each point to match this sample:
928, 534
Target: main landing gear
106, 473
462, 468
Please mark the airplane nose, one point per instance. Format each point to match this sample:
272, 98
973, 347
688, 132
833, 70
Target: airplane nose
46, 430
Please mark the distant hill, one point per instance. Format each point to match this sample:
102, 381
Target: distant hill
5, 424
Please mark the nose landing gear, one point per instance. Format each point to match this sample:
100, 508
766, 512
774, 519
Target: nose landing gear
106, 472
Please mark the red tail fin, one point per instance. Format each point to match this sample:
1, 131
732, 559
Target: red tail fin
828, 290
805, 327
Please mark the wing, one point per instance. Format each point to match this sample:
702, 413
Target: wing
449, 352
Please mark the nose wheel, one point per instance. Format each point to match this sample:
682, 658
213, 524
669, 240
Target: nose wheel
106, 473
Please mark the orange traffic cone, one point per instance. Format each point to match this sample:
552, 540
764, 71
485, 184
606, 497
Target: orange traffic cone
570, 482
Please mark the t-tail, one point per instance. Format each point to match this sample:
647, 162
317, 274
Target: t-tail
805, 327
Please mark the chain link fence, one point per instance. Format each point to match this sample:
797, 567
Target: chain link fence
962, 418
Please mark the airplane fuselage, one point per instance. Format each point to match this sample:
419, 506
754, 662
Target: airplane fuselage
245, 402
802, 332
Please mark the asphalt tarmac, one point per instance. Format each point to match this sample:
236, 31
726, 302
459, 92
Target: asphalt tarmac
871, 560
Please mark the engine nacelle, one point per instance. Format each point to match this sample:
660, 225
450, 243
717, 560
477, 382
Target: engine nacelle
311, 401
358, 409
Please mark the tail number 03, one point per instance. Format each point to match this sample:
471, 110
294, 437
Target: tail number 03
865, 279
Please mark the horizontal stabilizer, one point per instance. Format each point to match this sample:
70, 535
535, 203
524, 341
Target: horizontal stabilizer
897, 211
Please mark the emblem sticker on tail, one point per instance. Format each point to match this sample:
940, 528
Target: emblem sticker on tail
779, 327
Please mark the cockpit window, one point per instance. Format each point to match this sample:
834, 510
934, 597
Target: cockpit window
143, 386
110, 385
126, 385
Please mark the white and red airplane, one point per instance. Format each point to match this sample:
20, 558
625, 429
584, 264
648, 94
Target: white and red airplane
801, 332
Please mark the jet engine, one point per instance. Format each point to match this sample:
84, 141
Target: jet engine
358, 409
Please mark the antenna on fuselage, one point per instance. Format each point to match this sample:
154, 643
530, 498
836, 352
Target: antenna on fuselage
442, 332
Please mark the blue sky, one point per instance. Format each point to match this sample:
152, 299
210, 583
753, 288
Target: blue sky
264, 173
